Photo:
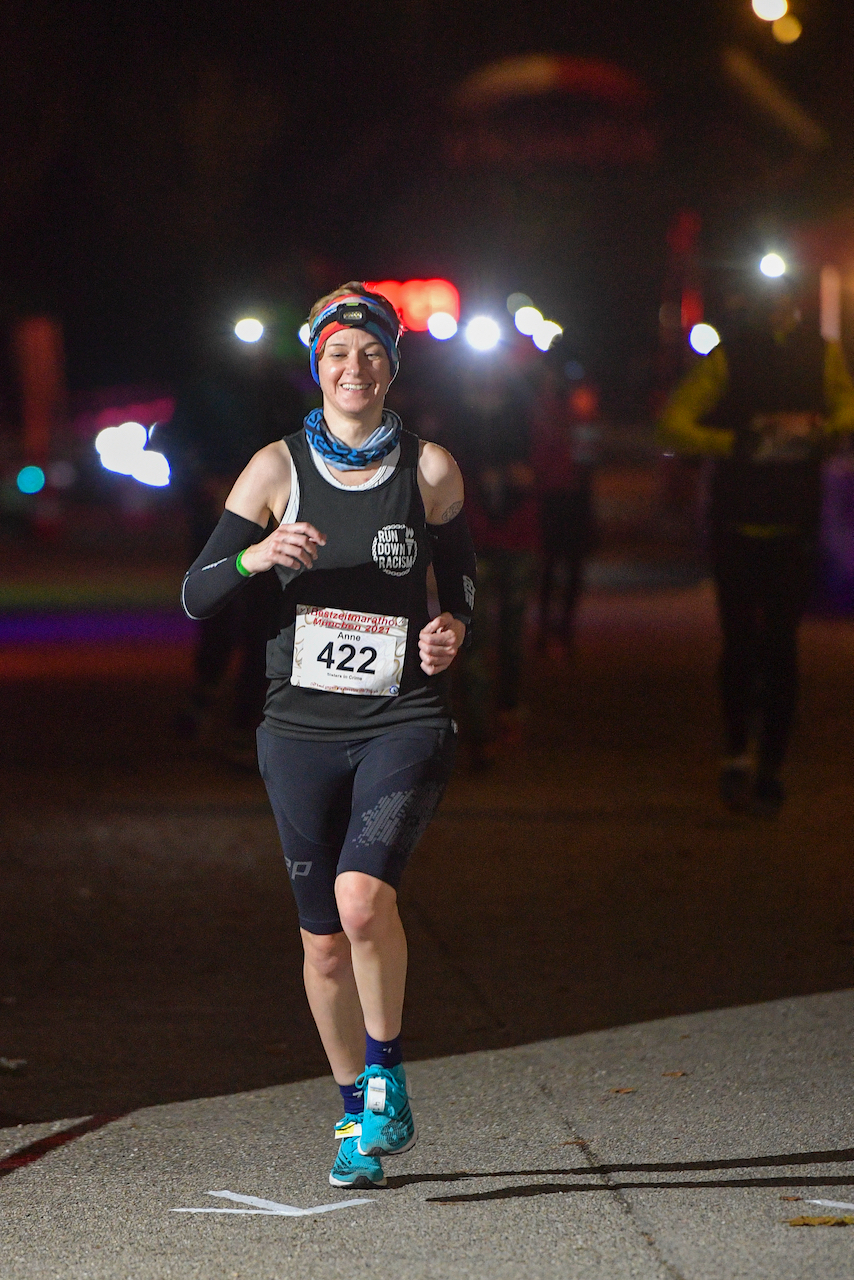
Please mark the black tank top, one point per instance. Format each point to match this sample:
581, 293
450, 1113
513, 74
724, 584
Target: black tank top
374, 562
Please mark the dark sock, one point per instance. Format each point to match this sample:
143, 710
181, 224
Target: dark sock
382, 1053
354, 1099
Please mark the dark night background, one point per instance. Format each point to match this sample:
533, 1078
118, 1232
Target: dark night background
168, 168
165, 165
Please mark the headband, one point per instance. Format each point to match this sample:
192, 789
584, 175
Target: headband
355, 311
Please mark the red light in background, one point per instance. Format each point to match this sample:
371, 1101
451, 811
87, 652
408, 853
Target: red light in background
584, 402
417, 300
692, 308
389, 289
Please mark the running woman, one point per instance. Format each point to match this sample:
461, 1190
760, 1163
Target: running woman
357, 742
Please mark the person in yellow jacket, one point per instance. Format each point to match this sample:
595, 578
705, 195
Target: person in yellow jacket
767, 405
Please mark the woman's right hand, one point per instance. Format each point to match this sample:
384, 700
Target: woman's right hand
292, 545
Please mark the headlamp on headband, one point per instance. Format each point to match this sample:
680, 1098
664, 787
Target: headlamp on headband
355, 313
350, 315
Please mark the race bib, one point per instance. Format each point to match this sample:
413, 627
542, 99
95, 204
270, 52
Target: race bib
340, 651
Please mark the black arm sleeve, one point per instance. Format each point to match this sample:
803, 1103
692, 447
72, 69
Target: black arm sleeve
455, 566
214, 578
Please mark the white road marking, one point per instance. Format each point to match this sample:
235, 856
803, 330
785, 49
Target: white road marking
271, 1208
264, 1213
832, 1204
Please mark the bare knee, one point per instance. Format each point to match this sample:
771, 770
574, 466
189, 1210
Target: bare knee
366, 905
328, 954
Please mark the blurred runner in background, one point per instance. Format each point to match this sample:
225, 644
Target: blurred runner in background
565, 439
488, 431
766, 405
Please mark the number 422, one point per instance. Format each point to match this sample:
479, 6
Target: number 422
327, 657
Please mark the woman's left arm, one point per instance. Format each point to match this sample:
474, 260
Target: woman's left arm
441, 487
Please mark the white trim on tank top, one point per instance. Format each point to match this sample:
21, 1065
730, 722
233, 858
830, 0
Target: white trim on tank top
384, 472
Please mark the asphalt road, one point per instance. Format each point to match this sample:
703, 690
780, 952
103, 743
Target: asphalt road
683, 1149
148, 944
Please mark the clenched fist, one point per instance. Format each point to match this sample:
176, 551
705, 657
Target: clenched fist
292, 545
439, 642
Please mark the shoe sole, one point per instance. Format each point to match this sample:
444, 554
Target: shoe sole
378, 1151
361, 1183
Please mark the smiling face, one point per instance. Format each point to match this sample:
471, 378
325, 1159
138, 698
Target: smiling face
354, 374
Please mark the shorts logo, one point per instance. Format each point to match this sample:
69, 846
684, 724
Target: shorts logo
297, 868
395, 549
468, 589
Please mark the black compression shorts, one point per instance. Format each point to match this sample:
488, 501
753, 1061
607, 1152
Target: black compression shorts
361, 805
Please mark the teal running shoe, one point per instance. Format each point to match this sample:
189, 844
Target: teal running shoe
387, 1124
348, 1126
352, 1169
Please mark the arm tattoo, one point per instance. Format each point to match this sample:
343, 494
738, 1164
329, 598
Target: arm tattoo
453, 510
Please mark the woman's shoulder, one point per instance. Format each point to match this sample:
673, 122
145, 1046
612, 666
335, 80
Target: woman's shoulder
435, 464
264, 485
272, 462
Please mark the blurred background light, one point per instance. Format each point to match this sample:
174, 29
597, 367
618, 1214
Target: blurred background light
545, 334
30, 480
787, 29
389, 289
482, 333
770, 10
442, 325
526, 320
517, 301
151, 468
773, 266
704, 338
62, 474
574, 370
417, 300
422, 299
249, 330
304, 334
119, 447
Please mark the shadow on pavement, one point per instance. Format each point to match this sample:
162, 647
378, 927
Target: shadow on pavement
843, 1156
559, 1189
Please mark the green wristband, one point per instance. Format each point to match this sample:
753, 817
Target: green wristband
247, 573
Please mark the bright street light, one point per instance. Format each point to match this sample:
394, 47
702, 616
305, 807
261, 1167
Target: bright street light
442, 325
249, 330
770, 10
304, 334
545, 334
482, 333
122, 449
119, 447
773, 266
704, 338
151, 468
526, 320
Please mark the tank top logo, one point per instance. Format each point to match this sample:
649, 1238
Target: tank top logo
395, 549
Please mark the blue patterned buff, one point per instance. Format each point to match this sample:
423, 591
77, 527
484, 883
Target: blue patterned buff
378, 445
